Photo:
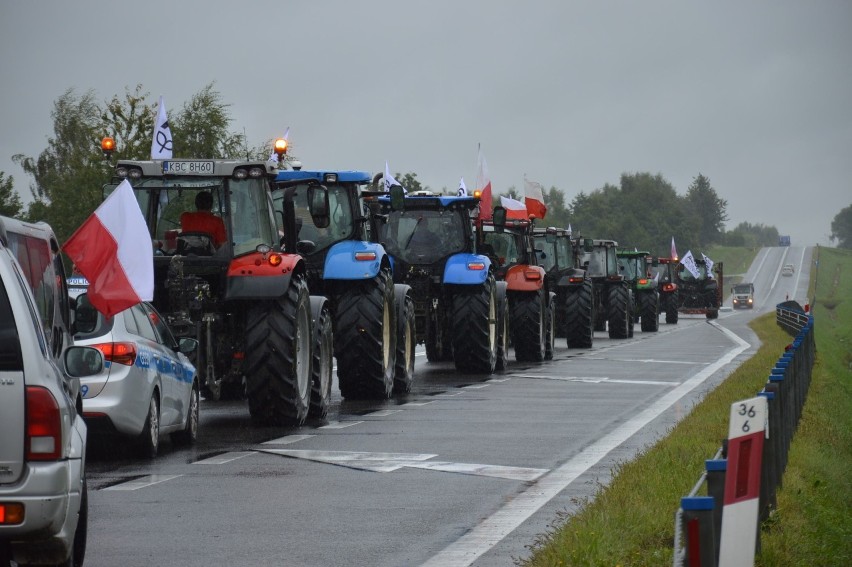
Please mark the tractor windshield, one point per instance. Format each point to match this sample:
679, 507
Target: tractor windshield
341, 226
245, 215
424, 236
627, 267
502, 246
545, 252
662, 272
600, 262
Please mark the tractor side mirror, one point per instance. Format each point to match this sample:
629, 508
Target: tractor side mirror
397, 197
318, 205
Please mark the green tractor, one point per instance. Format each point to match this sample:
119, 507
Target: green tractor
636, 268
612, 298
560, 256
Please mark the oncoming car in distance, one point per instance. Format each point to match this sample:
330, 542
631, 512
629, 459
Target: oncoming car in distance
148, 387
787, 270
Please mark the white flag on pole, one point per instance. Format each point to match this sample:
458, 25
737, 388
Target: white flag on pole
688, 262
462, 188
161, 145
709, 263
389, 180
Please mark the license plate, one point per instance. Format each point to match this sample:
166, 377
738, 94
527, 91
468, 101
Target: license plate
188, 167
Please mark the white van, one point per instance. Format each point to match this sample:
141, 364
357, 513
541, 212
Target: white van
43, 502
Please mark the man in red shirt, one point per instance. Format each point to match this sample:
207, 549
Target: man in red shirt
203, 220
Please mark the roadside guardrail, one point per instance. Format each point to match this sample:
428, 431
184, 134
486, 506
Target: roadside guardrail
723, 527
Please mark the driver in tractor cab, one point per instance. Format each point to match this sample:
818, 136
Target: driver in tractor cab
203, 220
425, 236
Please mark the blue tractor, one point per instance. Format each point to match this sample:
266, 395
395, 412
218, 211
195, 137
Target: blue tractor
460, 309
373, 318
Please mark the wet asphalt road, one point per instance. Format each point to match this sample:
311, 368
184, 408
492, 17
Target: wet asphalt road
464, 470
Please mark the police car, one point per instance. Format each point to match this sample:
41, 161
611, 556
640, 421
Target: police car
148, 387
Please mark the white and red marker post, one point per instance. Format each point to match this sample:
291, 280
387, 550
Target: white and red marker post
740, 522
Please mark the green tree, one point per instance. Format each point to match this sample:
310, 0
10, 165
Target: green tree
410, 182
200, 129
841, 228
69, 174
10, 201
710, 210
557, 212
752, 235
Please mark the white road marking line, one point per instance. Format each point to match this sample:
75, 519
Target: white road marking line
644, 360
489, 532
340, 424
449, 394
389, 462
224, 458
374, 462
287, 439
497, 471
418, 403
475, 386
498, 380
597, 380
143, 482
383, 413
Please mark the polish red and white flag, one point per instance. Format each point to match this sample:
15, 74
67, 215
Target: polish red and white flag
534, 198
483, 185
514, 208
113, 250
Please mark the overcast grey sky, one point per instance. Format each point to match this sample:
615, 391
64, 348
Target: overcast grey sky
755, 95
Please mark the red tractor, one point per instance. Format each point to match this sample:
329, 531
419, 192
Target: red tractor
510, 244
260, 333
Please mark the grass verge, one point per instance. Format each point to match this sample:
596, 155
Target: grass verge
631, 521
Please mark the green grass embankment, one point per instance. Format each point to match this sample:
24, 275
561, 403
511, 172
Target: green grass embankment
631, 521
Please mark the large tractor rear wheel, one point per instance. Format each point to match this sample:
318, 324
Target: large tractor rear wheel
278, 357
649, 304
671, 309
405, 340
365, 341
580, 316
619, 313
528, 325
474, 330
322, 357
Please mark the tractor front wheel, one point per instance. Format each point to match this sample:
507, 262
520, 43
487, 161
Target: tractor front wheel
365, 341
474, 337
